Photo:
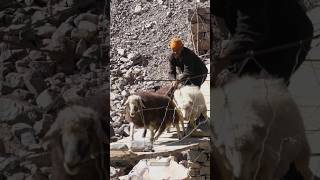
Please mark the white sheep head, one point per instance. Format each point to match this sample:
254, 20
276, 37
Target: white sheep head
134, 102
76, 126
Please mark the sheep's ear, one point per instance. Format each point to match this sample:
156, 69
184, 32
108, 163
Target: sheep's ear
53, 131
141, 103
127, 102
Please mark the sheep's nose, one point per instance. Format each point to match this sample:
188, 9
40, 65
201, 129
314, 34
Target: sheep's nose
132, 114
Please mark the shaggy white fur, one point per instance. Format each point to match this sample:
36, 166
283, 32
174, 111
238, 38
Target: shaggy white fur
191, 102
257, 130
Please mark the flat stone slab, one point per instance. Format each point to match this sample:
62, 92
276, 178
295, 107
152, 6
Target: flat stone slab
167, 144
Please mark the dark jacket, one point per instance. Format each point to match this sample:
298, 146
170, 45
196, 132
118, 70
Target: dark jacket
264, 24
189, 64
261, 24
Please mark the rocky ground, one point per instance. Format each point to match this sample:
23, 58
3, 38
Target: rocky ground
140, 35
51, 54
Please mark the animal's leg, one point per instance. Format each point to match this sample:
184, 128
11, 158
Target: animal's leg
183, 128
168, 129
160, 131
178, 131
150, 148
144, 133
131, 131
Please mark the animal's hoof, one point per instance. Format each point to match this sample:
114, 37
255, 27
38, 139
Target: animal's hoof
148, 149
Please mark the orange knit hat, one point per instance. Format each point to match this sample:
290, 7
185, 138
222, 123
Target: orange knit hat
176, 44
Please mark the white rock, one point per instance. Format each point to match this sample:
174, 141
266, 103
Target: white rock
138, 9
121, 52
124, 93
160, 2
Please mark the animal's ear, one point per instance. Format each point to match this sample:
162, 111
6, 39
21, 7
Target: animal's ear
141, 103
127, 102
53, 132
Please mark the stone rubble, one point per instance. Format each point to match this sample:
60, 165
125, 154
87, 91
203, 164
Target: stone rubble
45, 63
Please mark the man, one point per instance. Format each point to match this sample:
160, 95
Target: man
194, 71
257, 25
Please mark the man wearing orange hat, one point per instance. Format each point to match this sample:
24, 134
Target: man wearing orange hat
194, 70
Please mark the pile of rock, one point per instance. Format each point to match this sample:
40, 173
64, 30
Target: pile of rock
199, 163
45, 63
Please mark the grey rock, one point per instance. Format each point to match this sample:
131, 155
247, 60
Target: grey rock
77, 34
14, 111
49, 100
15, 28
89, 27
88, 57
37, 176
14, 80
36, 148
27, 139
121, 52
36, 55
119, 146
62, 52
19, 128
46, 31
5, 68
46, 68
138, 9
21, 94
38, 16
63, 31
17, 176
40, 159
31, 167
81, 47
46, 170
34, 82
8, 163
42, 126
29, 2
86, 17
5, 88
3, 147
22, 65
72, 95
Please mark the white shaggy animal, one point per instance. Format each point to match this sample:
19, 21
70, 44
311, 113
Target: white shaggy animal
191, 102
257, 131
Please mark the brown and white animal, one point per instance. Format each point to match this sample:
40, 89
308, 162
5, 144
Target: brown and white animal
191, 102
77, 140
152, 111
257, 131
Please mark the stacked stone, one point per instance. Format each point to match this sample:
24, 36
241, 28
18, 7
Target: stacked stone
199, 164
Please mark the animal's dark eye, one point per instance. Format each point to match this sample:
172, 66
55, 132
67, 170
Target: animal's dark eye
83, 148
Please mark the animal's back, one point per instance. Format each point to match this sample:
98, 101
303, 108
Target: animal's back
158, 108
